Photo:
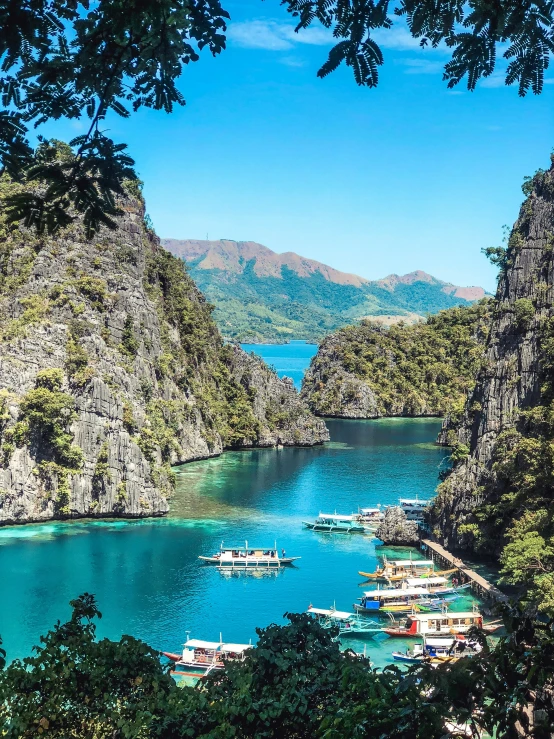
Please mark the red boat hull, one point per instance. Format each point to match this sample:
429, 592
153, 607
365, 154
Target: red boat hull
173, 657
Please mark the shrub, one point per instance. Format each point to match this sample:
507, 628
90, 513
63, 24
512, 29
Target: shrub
129, 342
524, 310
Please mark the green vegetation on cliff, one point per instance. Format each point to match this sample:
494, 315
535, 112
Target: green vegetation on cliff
498, 497
109, 342
406, 370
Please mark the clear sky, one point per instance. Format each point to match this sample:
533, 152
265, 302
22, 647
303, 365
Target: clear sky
407, 176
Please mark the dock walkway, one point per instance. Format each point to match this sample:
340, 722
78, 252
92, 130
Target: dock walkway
482, 586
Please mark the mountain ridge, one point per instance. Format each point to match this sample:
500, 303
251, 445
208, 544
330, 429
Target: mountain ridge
260, 295
269, 266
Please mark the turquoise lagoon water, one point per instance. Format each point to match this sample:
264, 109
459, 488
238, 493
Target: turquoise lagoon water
146, 575
291, 359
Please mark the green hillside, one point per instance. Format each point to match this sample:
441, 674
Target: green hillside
264, 299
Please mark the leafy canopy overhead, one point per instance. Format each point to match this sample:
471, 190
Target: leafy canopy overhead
78, 59
473, 30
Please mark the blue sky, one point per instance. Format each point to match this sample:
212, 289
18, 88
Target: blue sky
407, 176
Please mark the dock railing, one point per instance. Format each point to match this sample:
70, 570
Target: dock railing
478, 583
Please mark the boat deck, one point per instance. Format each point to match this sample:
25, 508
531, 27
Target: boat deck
479, 583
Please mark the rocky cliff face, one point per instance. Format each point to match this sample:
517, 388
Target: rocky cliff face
499, 436
396, 529
112, 370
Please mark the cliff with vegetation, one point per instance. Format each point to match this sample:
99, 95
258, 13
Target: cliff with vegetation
499, 496
262, 296
112, 370
424, 369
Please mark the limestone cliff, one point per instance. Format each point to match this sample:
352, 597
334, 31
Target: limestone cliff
425, 369
112, 370
503, 443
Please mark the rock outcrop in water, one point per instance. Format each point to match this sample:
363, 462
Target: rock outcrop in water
396, 529
112, 370
425, 369
503, 443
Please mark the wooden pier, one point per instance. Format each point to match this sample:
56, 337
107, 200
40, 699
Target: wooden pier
478, 583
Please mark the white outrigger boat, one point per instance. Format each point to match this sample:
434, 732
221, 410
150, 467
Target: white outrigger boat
201, 657
439, 649
414, 508
347, 623
370, 518
435, 585
249, 557
336, 523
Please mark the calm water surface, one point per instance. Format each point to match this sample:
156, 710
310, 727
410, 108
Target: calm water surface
291, 359
146, 574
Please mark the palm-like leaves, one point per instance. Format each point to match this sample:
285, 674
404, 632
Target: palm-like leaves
473, 30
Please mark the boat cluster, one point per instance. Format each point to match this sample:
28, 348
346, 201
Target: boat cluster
366, 520
424, 595
412, 587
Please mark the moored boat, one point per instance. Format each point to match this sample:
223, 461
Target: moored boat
438, 585
336, 523
436, 650
247, 556
347, 623
436, 624
370, 518
200, 657
396, 570
393, 600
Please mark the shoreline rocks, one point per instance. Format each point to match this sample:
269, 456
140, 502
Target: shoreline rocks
396, 529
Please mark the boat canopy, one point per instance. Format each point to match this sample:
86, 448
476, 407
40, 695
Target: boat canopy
439, 642
414, 502
394, 593
411, 562
248, 549
337, 516
320, 611
331, 613
443, 616
341, 615
199, 644
235, 648
367, 511
418, 581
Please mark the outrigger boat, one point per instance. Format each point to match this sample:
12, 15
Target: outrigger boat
370, 518
395, 600
437, 624
414, 508
201, 657
438, 650
335, 523
435, 585
347, 623
246, 556
396, 570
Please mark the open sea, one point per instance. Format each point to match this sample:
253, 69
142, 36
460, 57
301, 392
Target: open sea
146, 574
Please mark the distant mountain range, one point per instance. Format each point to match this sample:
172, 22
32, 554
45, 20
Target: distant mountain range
260, 295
